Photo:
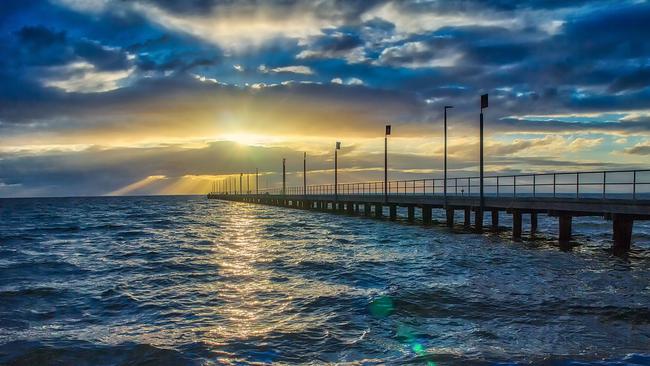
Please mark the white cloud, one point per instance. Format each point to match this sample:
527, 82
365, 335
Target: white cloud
298, 69
239, 68
349, 81
204, 79
419, 22
352, 56
355, 81
92, 6
236, 27
83, 77
416, 55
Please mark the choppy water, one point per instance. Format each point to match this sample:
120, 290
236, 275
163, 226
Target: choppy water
187, 281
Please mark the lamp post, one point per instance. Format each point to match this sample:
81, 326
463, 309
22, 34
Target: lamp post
479, 216
284, 176
304, 174
336, 167
445, 160
386, 163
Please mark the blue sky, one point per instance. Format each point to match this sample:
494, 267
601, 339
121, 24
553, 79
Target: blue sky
162, 97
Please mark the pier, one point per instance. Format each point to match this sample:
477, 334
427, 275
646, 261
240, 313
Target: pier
621, 196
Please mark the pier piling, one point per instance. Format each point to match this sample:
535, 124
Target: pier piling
426, 214
495, 220
516, 224
378, 210
622, 233
450, 217
565, 228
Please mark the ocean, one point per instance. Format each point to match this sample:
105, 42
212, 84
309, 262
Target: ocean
183, 280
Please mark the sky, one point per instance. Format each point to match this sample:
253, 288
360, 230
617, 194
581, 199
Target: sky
115, 97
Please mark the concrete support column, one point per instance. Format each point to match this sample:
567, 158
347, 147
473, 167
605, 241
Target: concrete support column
411, 214
366, 209
426, 214
350, 207
378, 210
478, 219
356, 208
393, 212
495, 220
533, 223
622, 233
450, 217
468, 214
565, 228
516, 224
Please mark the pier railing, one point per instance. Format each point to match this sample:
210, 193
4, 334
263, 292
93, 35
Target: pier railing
613, 184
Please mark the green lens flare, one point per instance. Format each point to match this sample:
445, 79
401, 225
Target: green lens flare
381, 307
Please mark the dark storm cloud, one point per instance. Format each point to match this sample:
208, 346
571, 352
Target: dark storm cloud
42, 46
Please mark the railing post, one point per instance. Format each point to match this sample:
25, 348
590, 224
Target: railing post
634, 185
534, 190
514, 186
604, 184
456, 185
497, 186
577, 185
554, 185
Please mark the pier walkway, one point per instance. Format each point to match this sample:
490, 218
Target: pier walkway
621, 196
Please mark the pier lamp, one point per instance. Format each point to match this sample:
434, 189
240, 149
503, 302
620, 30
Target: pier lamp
304, 174
284, 176
445, 159
479, 214
388, 128
336, 167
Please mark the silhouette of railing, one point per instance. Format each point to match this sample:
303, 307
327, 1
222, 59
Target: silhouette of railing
613, 184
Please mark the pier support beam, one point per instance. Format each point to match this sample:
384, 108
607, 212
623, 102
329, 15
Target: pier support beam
378, 210
622, 233
426, 214
495, 220
393, 212
350, 207
468, 214
356, 208
450, 217
533, 223
411, 214
478, 219
565, 228
366, 209
516, 225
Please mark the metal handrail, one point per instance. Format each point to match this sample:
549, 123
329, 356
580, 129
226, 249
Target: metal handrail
520, 185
